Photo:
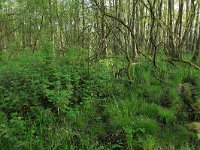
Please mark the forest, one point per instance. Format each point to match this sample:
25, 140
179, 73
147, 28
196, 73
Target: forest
99, 74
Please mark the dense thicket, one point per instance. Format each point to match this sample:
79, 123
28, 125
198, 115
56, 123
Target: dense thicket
50, 102
104, 27
99, 74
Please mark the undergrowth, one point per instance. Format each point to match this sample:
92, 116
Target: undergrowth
62, 102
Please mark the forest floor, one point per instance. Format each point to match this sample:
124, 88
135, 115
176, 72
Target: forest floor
64, 102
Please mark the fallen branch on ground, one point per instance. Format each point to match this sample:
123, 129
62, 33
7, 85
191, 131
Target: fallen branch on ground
186, 62
171, 62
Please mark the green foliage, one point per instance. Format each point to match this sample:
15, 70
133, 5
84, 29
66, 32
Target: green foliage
50, 101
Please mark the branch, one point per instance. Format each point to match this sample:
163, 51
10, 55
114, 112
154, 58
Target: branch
18, 27
186, 62
159, 79
171, 62
113, 17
